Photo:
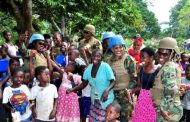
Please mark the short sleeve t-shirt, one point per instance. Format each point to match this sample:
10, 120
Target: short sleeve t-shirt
101, 82
44, 100
19, 99
186, 98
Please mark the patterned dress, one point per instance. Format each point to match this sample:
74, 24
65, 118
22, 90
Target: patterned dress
68, 106
144, 109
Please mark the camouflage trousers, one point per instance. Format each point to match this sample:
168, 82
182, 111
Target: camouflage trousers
126, 107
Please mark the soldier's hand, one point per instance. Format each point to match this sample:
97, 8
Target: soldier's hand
32, 53
88, 50
165, 115
83, 51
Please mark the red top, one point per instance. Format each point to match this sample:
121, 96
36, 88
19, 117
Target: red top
136, 56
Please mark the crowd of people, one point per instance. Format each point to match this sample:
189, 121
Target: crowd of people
46, 78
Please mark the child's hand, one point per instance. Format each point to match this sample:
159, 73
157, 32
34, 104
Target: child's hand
69, 91
52, 114
12, 110
70, 76
34, 112
46, 54
105, 95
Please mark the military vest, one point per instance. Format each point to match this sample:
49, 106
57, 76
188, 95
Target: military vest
121, 73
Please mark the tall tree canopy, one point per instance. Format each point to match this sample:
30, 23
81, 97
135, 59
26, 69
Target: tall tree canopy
180, 20
69, 16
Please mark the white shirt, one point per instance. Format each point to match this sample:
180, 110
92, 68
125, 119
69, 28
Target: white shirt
19, 99
44, 100
86, 91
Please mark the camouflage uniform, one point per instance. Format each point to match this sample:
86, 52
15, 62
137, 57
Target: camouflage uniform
92, 44
127, 65
165, 91
169, 77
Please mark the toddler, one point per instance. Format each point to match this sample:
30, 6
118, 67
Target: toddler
113, 112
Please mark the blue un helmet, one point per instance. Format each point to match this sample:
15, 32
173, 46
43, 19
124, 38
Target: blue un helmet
107, 35
36, 37
33, 38
116, 40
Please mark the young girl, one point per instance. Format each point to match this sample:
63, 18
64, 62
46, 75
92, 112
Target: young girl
43, 97
68, 106
186, 99
113, 112
144, 109
18, 96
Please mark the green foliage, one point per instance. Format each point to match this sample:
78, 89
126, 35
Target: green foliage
180, 20
151, 28
122, 17
7, 23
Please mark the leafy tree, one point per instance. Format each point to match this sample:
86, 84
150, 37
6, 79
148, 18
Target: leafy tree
179, 20
70, 16
21, 10
152, 28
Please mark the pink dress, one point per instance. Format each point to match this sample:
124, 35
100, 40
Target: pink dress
145, 111
68, 106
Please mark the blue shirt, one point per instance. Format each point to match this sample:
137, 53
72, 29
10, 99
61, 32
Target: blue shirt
101, 82
61, 59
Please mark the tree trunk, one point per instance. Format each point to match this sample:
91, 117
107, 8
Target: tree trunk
63, 25
22, 16
27, 15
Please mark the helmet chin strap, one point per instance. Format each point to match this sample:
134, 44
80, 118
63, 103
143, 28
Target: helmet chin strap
173, 56
170, 58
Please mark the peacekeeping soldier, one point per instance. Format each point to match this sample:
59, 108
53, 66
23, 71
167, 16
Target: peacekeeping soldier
124, 67
165, 91
105, 40
89, 43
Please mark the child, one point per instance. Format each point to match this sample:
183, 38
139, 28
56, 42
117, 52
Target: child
184, 62
84, 100
68, 106
112, 112
28, 80
18, 96
62, 57
43, 96
186, 99
56, 79
3, 53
